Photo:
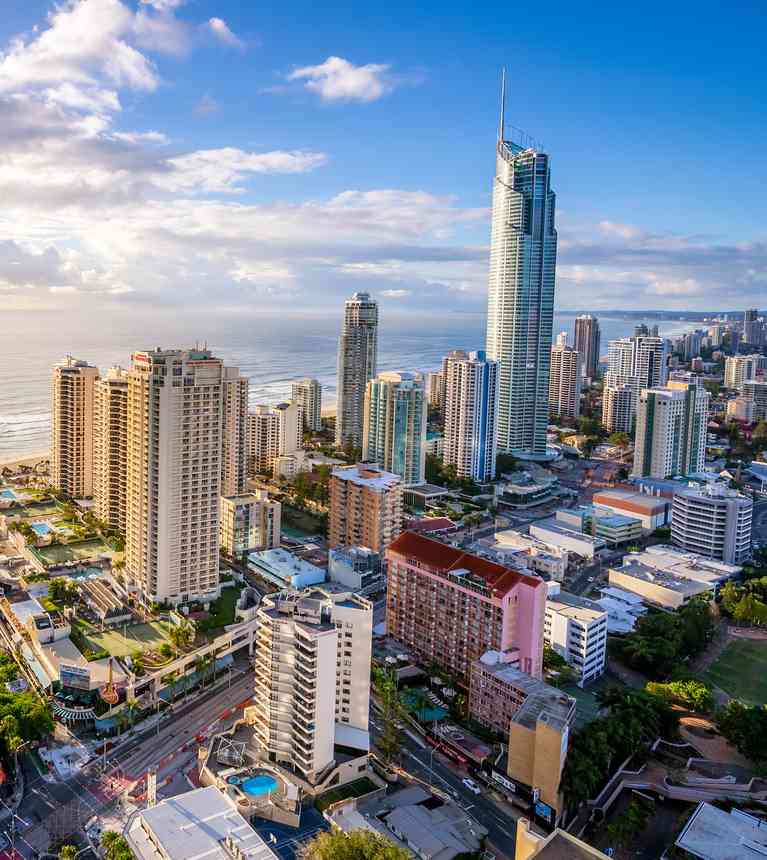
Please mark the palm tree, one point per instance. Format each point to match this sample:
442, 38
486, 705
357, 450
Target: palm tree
67, 852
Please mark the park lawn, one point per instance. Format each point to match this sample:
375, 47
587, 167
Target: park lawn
80, 551
137, 637
352, 789
222, 610
741, 671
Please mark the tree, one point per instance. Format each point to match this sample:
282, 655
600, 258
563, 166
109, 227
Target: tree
759, 436
115, 846
620, 439
356, 845
67, 852
745, 726
385, 687
692, 694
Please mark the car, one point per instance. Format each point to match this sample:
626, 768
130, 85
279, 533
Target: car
471, 785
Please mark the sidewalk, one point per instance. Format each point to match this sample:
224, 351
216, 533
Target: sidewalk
12, 807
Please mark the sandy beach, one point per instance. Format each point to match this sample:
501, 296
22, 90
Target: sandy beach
32, 460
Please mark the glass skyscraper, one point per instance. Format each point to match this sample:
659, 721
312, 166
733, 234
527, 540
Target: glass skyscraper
520, 308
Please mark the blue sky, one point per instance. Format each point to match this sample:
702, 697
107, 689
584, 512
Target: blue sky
251, 156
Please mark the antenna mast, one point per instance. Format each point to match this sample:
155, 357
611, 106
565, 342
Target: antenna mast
502, 121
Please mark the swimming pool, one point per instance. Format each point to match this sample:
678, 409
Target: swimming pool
41, 529
8, 494
257, 785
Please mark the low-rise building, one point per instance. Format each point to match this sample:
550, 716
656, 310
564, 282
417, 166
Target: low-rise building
713, 834
653, 512
576, 628
601, 523
249, 522
284, 570
512, 547
623, 609
357, 568
559, 845
560, 534
522, 490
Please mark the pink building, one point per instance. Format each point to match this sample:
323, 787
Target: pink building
449, 607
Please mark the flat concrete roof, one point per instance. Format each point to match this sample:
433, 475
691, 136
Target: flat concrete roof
713, 834
573, 606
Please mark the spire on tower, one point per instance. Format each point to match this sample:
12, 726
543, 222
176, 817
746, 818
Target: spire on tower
502, 121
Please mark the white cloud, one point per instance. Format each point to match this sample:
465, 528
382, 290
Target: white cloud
339, 80
395, 294
206, 106
221, 31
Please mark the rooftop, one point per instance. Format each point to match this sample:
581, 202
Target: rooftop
686, 565
367, 475
196, 826
661, 578
713, 834
573, 606
447, 559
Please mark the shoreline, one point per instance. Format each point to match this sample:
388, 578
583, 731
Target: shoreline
29, 460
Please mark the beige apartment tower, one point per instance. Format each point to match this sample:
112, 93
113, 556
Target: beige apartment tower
110, 447
234, 450
365, 507
565, 379
174, 442
307, 393
273, 431
72, 427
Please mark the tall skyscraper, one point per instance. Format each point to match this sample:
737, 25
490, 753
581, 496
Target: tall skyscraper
357, 363
174, 442
520, 310
394, 432
753, 328
307, 393
234, 449
72, 427
110, 447
454, 355
587, 341
471, 408
565, 379
635, 363
671, 430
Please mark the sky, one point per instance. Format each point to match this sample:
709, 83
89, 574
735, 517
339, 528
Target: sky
240, 158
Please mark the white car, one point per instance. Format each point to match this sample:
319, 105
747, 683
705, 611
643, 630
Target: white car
471, 785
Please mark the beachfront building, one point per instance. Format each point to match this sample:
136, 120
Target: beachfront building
174, 443
365, 507
357, 363
587, 341
394, 429
713, 521
448, 607
73, 386
234, 445
110, 447
249, 522
307, 393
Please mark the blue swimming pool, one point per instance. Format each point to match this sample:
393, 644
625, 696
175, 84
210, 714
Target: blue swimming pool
257, 785
8, 494
41, 529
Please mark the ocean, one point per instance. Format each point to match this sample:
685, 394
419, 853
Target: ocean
272, 351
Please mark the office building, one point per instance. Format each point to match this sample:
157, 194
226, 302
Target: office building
110, 447
652, 511
713, 521
470, 411
175, 428
249, 522
565, 380
365, 507
234, 442
307, 393
739, 369
357, 365
520, 310
72, 427
634, 363
671, 430
611, 528
312, 689
357, 568
757, 392
394, 429
448, 607
273, 432
753, 328
587, 342
576, 628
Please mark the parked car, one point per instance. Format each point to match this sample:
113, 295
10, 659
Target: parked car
471, 785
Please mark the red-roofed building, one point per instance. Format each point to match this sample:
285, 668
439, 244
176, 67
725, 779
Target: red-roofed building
432, 526
449, 607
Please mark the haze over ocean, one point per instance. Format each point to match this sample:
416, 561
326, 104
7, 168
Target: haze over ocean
272, 351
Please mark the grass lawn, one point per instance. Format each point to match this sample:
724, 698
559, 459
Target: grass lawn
139, 637
222, 610
301, 521
741, 671
352, 789
35, 510
59, 553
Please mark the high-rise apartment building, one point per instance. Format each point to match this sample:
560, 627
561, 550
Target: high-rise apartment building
312, 671
307, 393
713, 521
273, 431
234, 446
174, 443
365, 507
394, 429
249, 522
587, 343
576, 628
739, 369
753, 328
449, 607
757, 392
110, 447
520, 309
565, 379
434, 389
453, 355
72, 427
671, 430
618, 408
470, 410
639, 361
357, 365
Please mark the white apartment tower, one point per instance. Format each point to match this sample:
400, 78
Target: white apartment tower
739, 369
394, 429
470, 409
565, 379
110, 447
273, 431
357, 363
174, 442
587, 342
312, 678
671, 430
639, 361
72, 427
520, 309
234, 472
249, 522
307, 393
576, 628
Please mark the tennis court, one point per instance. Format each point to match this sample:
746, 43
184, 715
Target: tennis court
123, 641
